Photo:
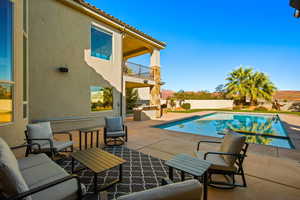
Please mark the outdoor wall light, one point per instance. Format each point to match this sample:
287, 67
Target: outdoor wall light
297, 13
296, 4
63, 69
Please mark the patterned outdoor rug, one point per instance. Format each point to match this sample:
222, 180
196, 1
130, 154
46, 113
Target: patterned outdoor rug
140, 172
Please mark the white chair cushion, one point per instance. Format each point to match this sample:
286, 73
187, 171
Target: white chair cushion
40, 130
232, 143
113, 124
11, 179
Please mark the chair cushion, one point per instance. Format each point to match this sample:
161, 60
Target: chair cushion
40, 130
115, 134
47, 172
57, 145
232, 143
113, 124
218, 162
190, 190
11, 179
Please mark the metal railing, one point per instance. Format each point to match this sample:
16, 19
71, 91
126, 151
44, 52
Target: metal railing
137, 70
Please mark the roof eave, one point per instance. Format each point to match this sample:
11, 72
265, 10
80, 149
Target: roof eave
100, 15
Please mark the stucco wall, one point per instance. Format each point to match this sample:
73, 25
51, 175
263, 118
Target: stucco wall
13, 133
208, 104
61, 37
144, 93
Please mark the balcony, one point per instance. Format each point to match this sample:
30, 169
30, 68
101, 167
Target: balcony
138, 71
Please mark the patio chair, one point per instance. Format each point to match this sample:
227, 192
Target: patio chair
41, 133
191, 190
115, 130
228, 161
35, 177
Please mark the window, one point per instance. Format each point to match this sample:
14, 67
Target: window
101, 44
101, 98
6, 103
6, 61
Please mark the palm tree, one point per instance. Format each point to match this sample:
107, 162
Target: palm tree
237, 86
243, 83
260, 87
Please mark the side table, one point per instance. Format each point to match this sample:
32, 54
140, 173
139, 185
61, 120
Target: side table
86, 131
188, 164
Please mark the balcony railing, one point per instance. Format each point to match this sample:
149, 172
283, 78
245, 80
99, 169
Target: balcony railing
137, 70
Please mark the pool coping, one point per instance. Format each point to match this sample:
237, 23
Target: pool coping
283, 124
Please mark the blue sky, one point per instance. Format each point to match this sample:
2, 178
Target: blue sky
208, 39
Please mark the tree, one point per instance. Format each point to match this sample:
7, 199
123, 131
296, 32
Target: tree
180, 96
260, 87
107, 97
244, 83
132, 97
237, 86
220, 89
172, 102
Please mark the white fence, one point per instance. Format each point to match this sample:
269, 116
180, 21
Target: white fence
207, 104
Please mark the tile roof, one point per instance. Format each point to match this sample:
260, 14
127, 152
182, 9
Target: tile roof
118, 21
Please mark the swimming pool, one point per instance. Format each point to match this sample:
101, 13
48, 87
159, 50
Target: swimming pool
258, 128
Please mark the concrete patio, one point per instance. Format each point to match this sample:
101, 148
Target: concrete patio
271, 173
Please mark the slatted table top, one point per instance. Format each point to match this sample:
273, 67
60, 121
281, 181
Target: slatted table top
189, 164
97, 160
89, 129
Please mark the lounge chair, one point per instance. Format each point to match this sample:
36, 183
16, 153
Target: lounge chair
228, 161
41, 133
115, 131
35, 177
187, 190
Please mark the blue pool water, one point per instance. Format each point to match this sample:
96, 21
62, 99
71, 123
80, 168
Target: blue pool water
259, 129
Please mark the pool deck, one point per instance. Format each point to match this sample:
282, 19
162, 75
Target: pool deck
271, 173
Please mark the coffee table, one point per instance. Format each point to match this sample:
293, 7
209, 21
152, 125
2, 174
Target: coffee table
98, 161
188, 164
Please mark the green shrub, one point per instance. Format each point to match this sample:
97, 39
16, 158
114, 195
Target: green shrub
172, 103
261, 108
238, 107
186, 106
